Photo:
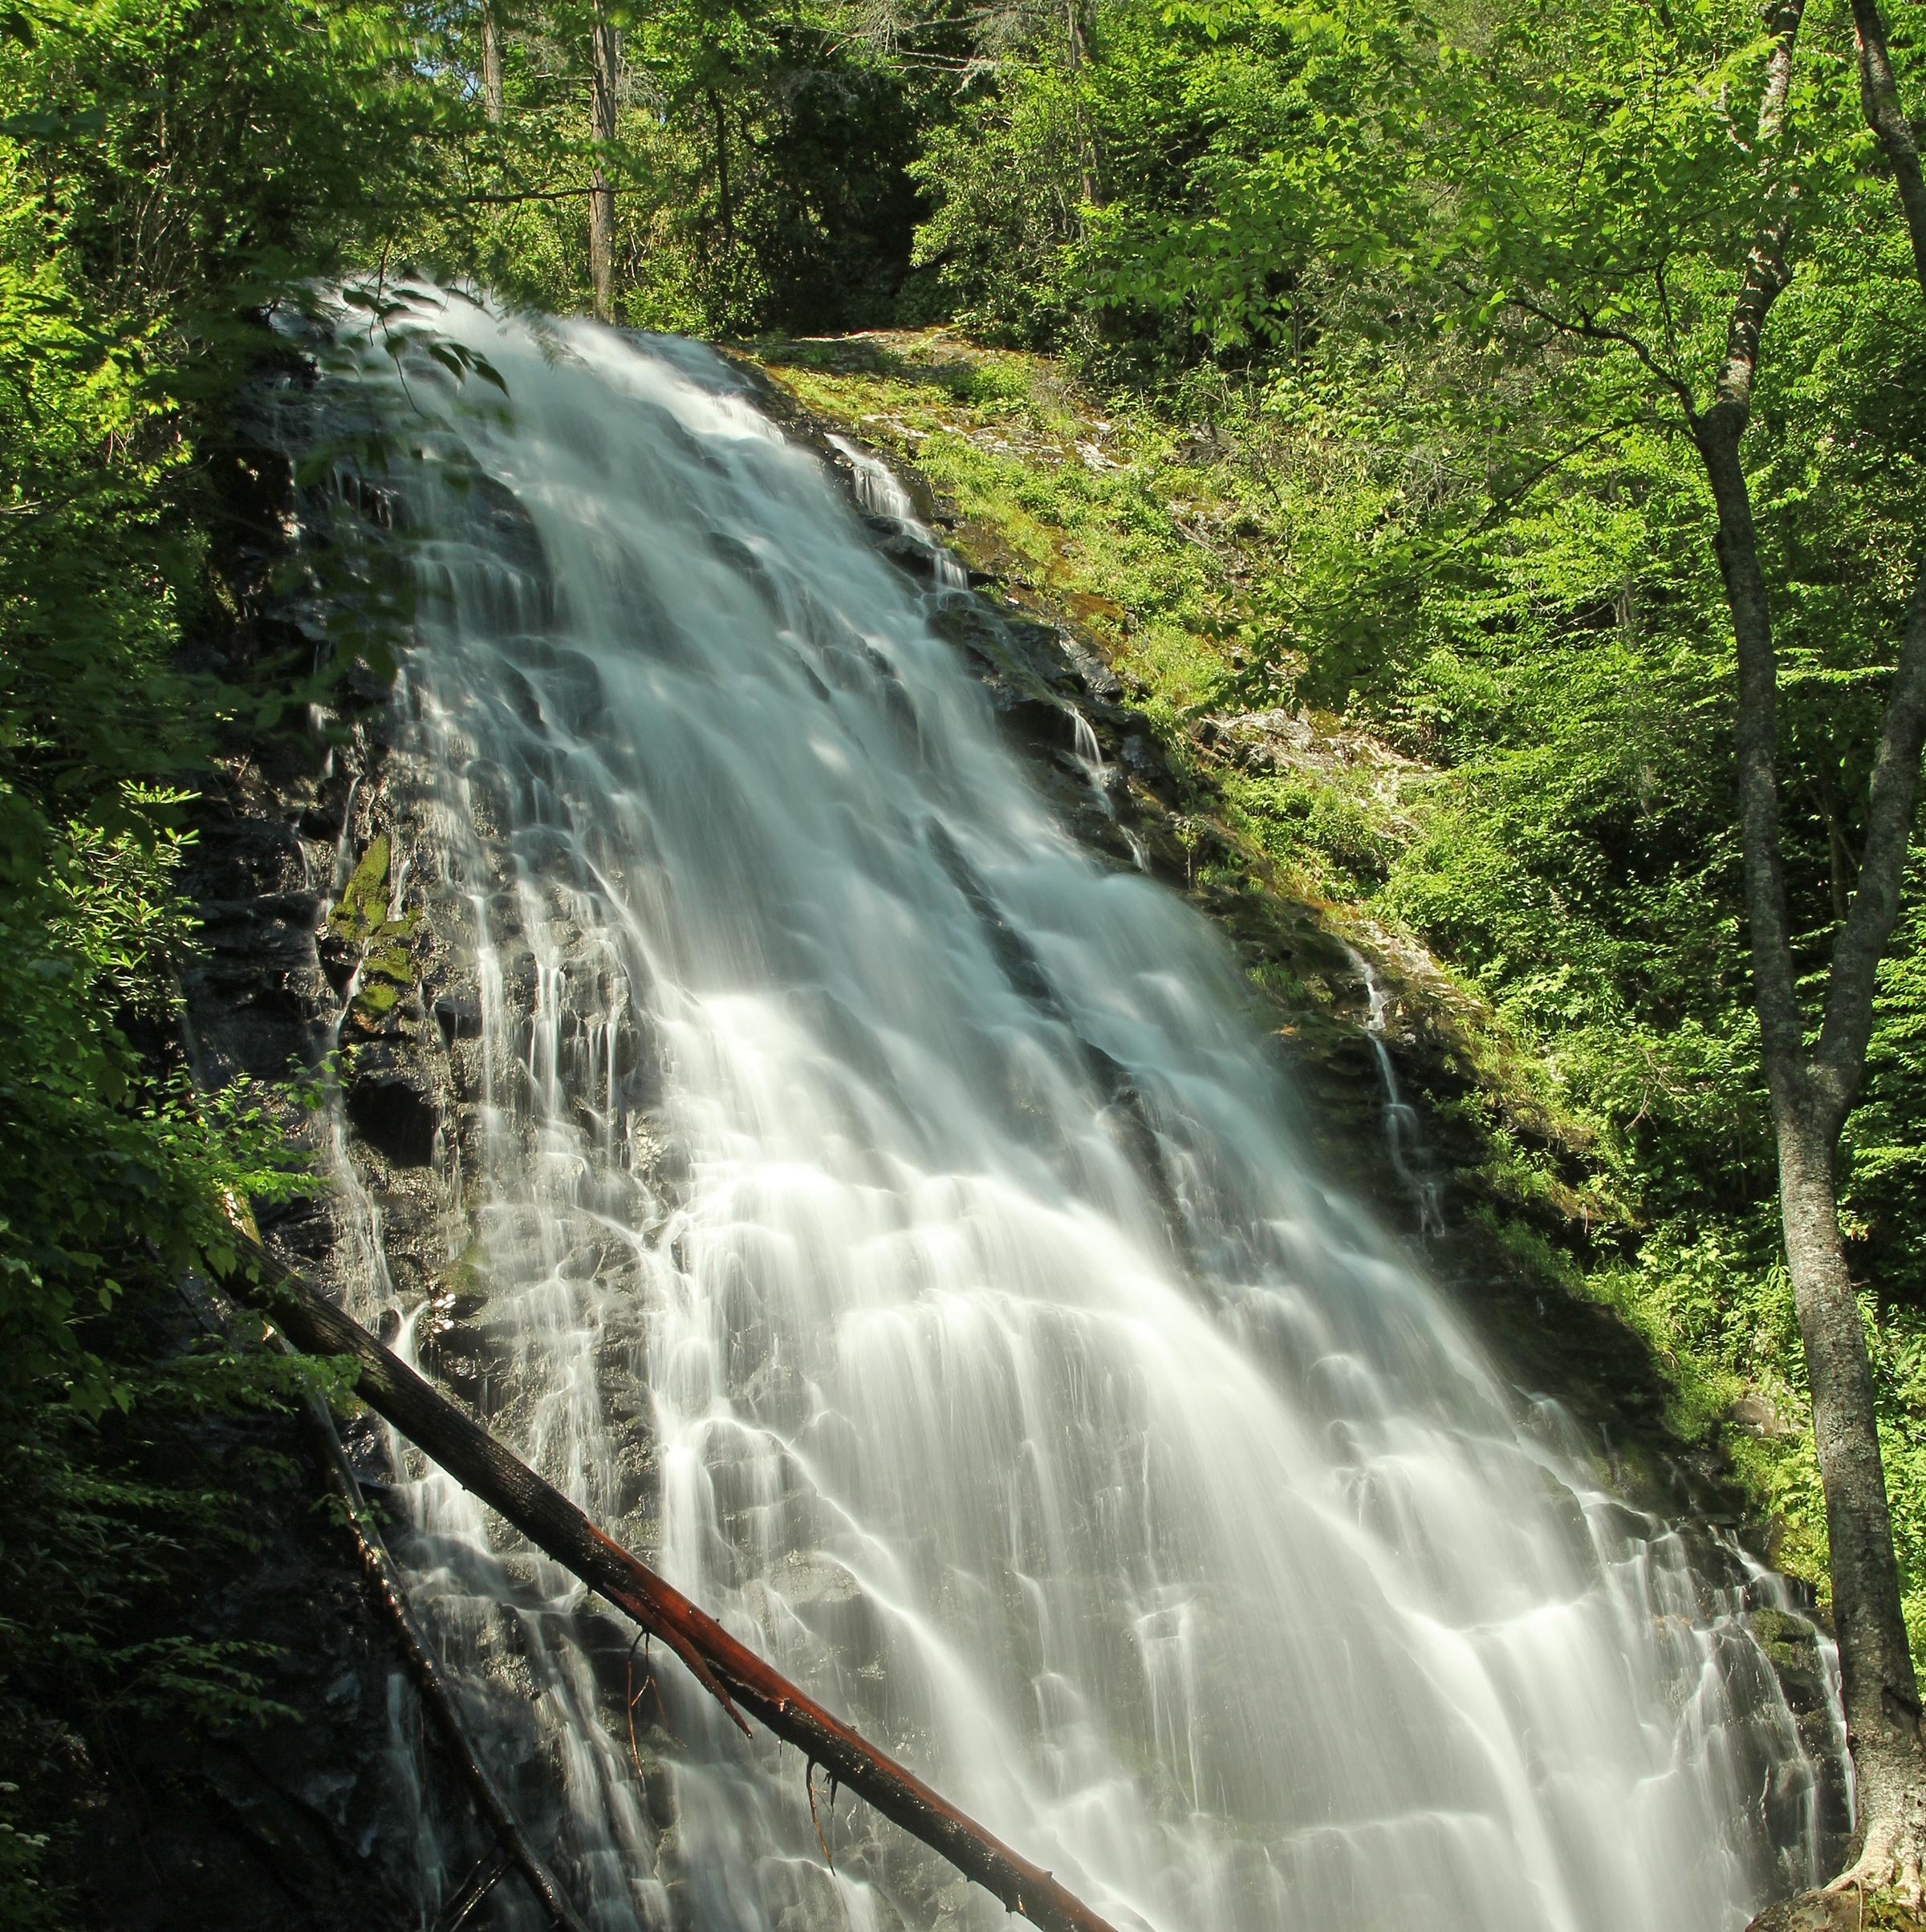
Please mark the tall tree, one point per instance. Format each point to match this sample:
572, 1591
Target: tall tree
492, 98
1813, 1083
602, 85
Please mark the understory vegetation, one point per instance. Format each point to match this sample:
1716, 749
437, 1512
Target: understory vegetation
1325, 360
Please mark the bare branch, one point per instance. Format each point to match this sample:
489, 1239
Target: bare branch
1591, 330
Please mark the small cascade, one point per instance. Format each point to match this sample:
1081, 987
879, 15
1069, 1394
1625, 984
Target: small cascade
881, 492
888, 1218
1100, 775
1403, 1132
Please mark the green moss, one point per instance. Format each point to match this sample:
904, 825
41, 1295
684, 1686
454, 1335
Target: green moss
360, 919
362, 908
392, 962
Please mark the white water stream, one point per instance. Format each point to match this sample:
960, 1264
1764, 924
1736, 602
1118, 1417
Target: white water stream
894, 1223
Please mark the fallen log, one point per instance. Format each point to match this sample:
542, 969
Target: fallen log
730, 1672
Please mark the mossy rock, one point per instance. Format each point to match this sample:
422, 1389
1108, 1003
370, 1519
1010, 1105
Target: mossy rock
362, 909
359, 923
377, 998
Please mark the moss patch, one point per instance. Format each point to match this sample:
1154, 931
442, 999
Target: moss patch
359, 919
362, 908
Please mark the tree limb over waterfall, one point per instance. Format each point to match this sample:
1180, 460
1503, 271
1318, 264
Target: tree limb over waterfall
731, 1673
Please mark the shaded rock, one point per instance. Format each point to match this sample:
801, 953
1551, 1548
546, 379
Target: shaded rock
393, 1110
458, 1013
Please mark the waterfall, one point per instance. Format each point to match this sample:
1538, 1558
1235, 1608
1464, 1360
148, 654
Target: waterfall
1403, 1139
889, 1218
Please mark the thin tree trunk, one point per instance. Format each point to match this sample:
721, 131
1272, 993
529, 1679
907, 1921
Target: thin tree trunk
602, 193
1087, 165
493, 100
1885, 115
725, 200
730, 1672
1811, 1092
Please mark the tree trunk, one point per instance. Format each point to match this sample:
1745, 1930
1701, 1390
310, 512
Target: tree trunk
730, 1672
602, 193
725, 200
1875, 1660
492, 99
1885, 117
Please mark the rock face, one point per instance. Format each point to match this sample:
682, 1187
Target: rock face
314, 1818
325, 950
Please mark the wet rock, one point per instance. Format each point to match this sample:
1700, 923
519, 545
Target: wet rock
1042, 646
1043, 720
1144, 757
458, 1356
1092, 672
504, 527
748, 566
571, 686
304, 1226
969, 622
490, 797
457, 1013
522, 697
911, 555
392, 1110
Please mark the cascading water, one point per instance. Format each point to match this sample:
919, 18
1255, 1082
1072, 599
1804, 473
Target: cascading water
1402, 1137
890, 1221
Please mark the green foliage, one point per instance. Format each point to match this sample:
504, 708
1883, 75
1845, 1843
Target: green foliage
166, 167
994, 253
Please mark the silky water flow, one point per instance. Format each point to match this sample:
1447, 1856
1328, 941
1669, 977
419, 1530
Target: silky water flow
893, 1222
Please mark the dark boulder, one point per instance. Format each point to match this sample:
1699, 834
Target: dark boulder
393, 1111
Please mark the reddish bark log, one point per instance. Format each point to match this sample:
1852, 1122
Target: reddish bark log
731, 1673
